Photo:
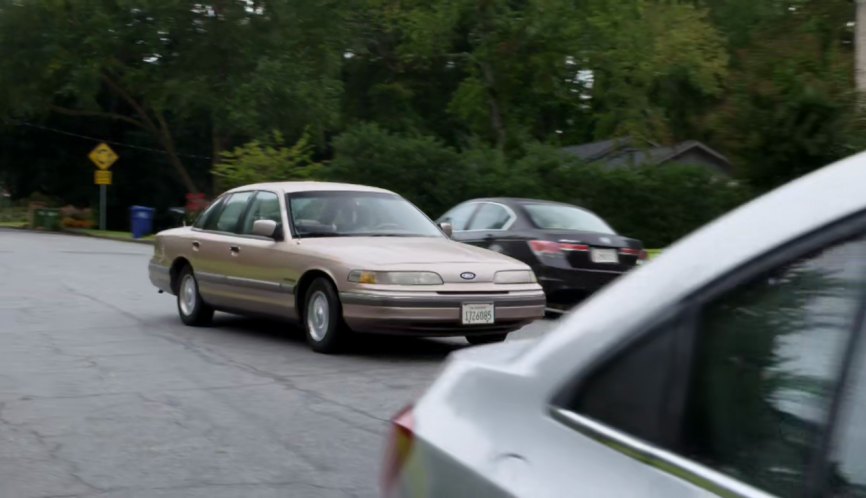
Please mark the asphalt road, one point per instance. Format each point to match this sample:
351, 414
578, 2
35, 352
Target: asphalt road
103, 393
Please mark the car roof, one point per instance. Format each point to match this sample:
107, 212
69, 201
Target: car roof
696, 261
520, 200
309, 186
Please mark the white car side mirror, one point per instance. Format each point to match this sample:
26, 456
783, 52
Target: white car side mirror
264, 228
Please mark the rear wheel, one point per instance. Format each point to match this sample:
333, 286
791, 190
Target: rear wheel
323, 317
190, 306
477, 340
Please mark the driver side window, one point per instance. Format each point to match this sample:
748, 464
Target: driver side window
459, 216
265, 206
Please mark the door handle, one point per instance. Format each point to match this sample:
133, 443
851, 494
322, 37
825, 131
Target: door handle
195, 245
235, 249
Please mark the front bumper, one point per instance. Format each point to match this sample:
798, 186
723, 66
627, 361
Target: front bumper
160, 276
432, 314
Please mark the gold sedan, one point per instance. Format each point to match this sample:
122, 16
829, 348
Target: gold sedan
340, 258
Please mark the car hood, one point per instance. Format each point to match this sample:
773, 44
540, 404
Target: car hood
387, 251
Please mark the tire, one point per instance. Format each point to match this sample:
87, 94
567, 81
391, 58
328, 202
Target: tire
323, 317
477, 340
192, 309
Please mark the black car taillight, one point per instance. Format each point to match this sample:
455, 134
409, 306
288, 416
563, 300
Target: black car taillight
541, 247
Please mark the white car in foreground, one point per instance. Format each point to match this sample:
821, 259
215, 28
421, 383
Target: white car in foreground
732, 365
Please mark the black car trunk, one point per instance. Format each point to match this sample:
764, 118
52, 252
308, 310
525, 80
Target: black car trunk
596, 251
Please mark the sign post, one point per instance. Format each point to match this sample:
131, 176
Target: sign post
103, 157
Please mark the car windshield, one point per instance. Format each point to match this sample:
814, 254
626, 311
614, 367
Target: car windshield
561, 217
358, 214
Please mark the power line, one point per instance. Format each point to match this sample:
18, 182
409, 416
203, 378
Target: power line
112, 142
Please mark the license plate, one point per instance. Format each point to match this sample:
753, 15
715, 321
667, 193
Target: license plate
477, 314
604, 256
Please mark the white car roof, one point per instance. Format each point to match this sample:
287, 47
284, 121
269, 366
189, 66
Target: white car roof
757, 227
290, 187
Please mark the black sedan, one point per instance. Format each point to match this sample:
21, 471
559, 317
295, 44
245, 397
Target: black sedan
572, 250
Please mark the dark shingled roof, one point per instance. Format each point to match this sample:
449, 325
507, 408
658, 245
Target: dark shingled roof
623, 152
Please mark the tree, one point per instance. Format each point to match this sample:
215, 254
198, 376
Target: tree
791, 105
235, 67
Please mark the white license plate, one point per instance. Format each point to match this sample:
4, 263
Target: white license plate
477, 314
604, 256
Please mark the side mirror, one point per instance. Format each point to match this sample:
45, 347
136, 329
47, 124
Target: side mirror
265, 228
447, 229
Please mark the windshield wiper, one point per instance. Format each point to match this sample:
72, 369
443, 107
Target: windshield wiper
311, 235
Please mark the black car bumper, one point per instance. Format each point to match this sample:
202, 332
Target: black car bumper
570, 286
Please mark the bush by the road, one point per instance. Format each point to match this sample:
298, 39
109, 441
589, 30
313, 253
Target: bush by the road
655, 204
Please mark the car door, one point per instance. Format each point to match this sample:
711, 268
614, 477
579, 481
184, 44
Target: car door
261, 274
212, 253
488, 226
735, 394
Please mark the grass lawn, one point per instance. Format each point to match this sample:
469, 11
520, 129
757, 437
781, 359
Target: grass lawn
13, 224
108, 234
653, 252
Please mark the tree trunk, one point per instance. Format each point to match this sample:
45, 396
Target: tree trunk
860, 46
167, 141
496, 120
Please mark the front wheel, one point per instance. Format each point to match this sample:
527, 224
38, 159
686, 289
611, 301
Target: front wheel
190, 306
477, 340
323, 317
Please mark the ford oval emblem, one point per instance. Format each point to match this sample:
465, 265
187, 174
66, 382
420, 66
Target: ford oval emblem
467, 275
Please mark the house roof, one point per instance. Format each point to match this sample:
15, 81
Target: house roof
622, 152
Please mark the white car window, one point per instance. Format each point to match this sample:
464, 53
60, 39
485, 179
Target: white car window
746, 387
228, 218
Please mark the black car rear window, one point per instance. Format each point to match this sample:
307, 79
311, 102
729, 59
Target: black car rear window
562, 217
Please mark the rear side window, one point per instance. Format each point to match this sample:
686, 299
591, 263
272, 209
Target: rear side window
745, 386
563, 217
211, 211
228, 219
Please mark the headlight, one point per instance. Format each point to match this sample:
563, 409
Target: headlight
395, 277
515, 277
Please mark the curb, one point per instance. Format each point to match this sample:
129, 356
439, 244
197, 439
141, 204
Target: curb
73, 231
78, 233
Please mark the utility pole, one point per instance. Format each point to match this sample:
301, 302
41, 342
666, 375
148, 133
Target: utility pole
860, 46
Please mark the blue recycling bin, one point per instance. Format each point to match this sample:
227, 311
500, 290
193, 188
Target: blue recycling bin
141, 221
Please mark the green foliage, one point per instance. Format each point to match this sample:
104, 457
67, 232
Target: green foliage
791, 107
655, 204
267, 160
419, 167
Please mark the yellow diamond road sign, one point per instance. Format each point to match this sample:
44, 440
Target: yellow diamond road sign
102, 177
102, 156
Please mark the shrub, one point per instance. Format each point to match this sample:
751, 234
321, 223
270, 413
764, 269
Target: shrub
657, 204
73, 217
421, 168
266, 160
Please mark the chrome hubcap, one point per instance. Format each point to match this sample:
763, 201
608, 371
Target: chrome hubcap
187, 295
318, 316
